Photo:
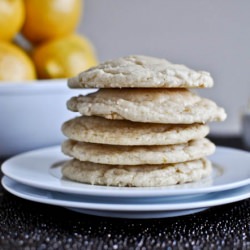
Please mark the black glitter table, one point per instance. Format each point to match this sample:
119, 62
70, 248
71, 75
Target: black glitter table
30, 225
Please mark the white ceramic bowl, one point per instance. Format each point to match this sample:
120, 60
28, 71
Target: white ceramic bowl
31, 114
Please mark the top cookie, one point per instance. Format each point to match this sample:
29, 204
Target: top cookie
138, 71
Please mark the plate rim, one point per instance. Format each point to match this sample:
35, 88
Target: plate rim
123, 207
87, 189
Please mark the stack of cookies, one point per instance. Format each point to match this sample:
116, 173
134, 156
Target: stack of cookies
143, 127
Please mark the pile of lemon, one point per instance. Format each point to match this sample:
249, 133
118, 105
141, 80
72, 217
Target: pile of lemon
38, 40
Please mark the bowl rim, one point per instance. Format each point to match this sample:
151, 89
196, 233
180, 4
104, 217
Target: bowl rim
34, 86
31, 82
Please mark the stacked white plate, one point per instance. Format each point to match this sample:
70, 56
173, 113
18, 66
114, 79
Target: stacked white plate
36, 176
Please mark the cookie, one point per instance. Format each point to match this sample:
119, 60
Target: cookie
138, 71
175, 106
138, 155
137, 176
122, 132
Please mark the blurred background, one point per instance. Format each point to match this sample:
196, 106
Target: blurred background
205, 35
41, 41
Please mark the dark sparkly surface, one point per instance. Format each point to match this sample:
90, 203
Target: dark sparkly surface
30, 225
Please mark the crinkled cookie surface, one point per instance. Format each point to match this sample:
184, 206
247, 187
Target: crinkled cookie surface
138, 71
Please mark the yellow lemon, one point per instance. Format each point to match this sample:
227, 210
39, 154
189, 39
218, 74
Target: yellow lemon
64, 57
15, 65
48, 19
11, 18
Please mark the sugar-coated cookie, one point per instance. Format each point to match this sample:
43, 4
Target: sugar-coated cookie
137, 71
138, 155
178, 106
137, 176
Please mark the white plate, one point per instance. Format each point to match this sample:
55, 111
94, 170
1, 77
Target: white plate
42, 169
126, 207
138, 215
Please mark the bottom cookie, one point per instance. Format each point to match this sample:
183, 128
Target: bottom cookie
136, 176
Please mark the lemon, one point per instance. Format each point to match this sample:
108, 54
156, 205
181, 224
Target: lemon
49, 19
64, 57
15, 65
11, 18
